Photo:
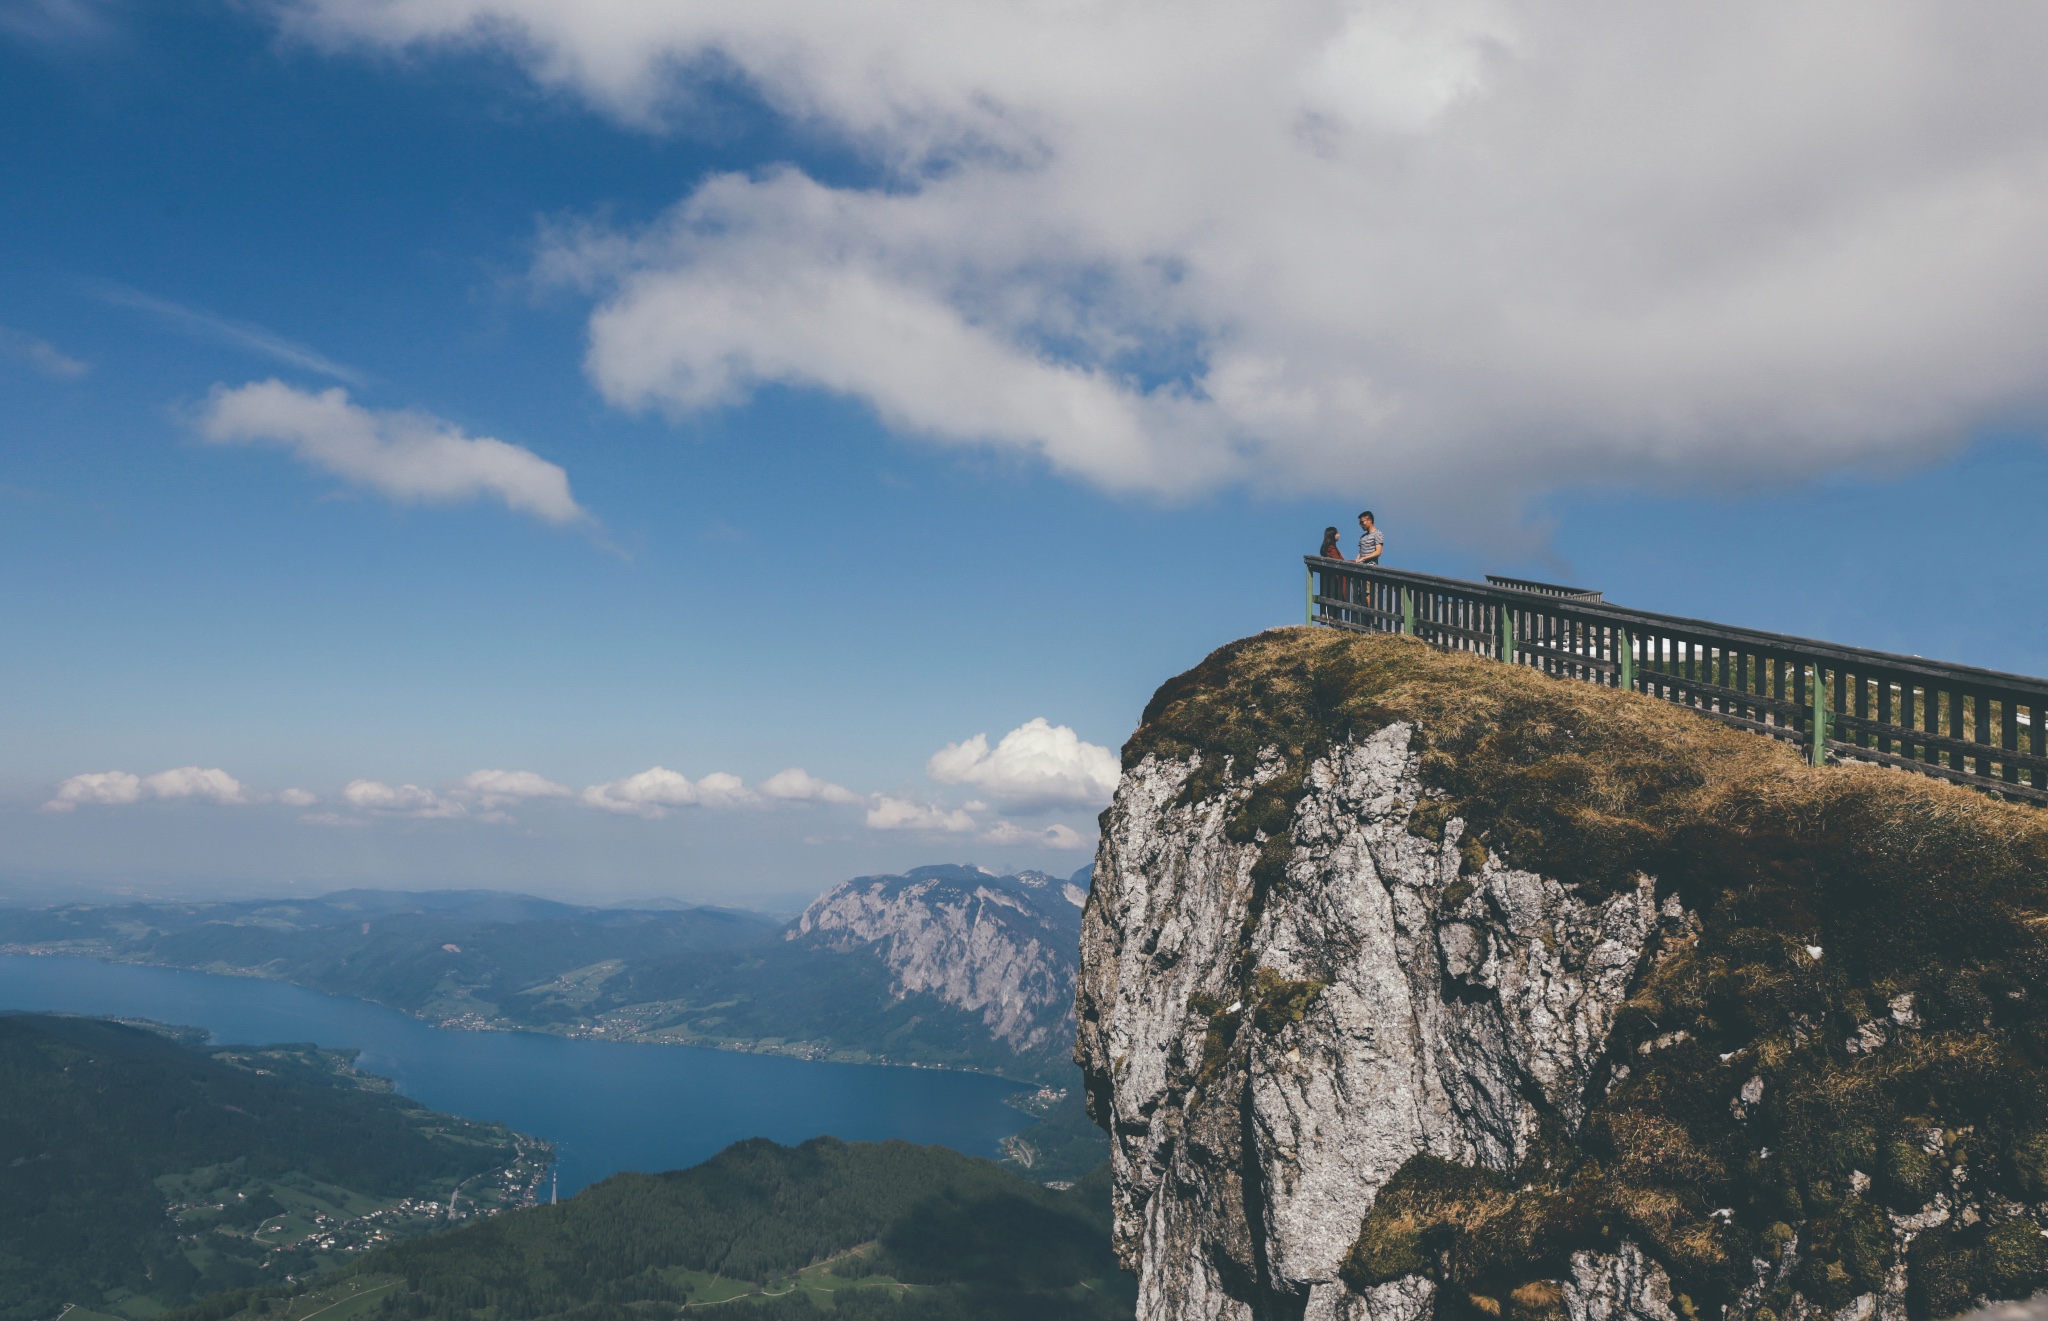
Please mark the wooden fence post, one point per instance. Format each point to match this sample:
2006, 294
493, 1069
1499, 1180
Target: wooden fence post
1507, 635
1408, 612
1819, 756
1311, 597
1625, 654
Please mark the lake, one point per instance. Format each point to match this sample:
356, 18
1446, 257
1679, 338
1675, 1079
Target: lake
606, 1105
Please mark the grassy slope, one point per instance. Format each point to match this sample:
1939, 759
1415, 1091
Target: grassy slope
884, 1229
1908, 887
138, 1172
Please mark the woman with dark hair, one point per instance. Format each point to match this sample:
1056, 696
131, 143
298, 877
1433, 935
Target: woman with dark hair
1334, 584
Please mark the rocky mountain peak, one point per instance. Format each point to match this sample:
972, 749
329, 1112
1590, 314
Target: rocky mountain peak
998, 946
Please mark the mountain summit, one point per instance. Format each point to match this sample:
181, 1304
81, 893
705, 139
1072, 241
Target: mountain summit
1001, 947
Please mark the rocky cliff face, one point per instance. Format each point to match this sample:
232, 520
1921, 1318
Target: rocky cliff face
1414, 985
1000, 947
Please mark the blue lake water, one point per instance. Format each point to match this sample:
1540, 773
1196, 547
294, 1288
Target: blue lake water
608, 1106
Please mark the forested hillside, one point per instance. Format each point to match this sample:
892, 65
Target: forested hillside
138, 1170
913, 984
884, 1230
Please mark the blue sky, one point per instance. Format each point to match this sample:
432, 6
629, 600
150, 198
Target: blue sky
988, 457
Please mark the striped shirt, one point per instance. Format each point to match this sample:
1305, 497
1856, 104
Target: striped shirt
1370, 544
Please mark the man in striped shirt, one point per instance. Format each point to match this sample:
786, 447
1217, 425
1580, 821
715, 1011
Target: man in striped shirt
1370, 542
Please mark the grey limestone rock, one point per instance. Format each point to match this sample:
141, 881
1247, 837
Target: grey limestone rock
1436, 1013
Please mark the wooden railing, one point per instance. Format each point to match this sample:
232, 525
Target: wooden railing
1956, 722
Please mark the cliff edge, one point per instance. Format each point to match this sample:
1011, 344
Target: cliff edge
1417, 985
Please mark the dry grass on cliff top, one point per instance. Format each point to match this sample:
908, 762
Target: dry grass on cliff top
1913, 892
1579, 782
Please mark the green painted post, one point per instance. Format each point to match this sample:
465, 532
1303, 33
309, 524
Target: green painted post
1625, 652
1311, 598
1819, 755
1408, 612
1507, 635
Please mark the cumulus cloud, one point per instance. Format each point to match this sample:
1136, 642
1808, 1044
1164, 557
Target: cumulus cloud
799, 785
119, 787
407, 456
196, 782
1037, 764
1455, 247
297, 798
406, 800
651, 793
497, 788
890, 813
96, 787
904, 814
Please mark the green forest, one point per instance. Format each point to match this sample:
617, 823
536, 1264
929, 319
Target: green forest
882, 1230
140, 1169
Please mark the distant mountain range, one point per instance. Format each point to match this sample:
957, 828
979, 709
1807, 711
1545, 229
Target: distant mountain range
946, 966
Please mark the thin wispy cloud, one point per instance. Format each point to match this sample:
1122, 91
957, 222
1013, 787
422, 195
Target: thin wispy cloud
54, 21
241, 334
42, 356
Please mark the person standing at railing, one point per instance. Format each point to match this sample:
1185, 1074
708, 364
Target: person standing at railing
1370, 546
1334, 584
1370, 543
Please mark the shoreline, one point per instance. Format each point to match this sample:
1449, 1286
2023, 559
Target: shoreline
479, 1023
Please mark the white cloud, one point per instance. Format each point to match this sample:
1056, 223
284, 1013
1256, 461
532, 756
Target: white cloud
651, 793
1038, 764
903, 814
799, 785
96, 787
297, 798
404, 455
120, 787
719, 789
1461, 249
195, 782
497, 788
408, 800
